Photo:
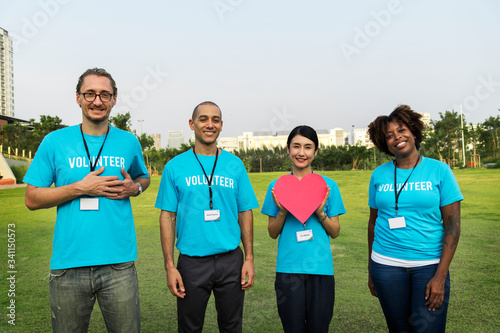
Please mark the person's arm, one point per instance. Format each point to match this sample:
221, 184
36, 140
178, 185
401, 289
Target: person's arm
434, 293
129, 188
245, 220
371, 236
144, 181
168, 222
92, 185
331, 224
275, 224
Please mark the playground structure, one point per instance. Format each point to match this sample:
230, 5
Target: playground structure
7, 177
475, 162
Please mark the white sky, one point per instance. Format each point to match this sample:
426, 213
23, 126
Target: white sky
270, 65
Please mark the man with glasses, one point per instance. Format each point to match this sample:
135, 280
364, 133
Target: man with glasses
95, 168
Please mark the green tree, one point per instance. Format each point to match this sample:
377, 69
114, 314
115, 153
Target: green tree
15, 136
444, 142
429, 146
158, 158
341, 158
490, 136
46, 125
375, 157
264, 159
146, 141
328, 158
29, 137
121, 121
474, 140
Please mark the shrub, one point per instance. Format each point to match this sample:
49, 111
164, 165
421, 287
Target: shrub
19, 172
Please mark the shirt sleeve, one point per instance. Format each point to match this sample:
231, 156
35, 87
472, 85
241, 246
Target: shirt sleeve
335, 205
41, 172
246, 195
449, 189
269, 207
168, 196
138, 167
372, 203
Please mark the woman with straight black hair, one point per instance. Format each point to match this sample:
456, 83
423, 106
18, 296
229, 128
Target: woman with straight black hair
305, 286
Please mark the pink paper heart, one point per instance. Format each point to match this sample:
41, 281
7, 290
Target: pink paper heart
300, 197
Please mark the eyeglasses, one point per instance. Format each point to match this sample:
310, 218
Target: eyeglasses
90, 96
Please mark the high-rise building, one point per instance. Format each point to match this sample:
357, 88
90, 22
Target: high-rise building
6, 75
157, 141
175, 139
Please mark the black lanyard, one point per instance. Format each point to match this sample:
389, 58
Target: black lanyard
396, 193
92, 167
209, 181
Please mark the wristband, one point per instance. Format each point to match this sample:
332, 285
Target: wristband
140, 188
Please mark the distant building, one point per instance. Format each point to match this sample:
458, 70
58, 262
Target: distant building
6, 75
360, 137
157, 141
254, 140
336, 137
323, 137
426, 118
245, 141
10, 120
333, 137
228, 143
175, 139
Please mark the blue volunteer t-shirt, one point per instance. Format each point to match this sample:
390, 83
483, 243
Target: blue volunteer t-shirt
308, 257
184, 190
91, 237
431, 186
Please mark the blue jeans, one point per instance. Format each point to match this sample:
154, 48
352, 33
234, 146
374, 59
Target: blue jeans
401, 292
73, 293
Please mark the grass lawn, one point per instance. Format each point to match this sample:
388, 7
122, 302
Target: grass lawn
475, 271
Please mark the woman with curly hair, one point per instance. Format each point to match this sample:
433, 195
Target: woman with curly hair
414, 227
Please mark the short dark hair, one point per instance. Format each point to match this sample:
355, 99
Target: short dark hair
305, 131
403, 114
205, 103
98, 72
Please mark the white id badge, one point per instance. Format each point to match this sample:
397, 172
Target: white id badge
304, 235
397, 222
89, 203
212, 215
